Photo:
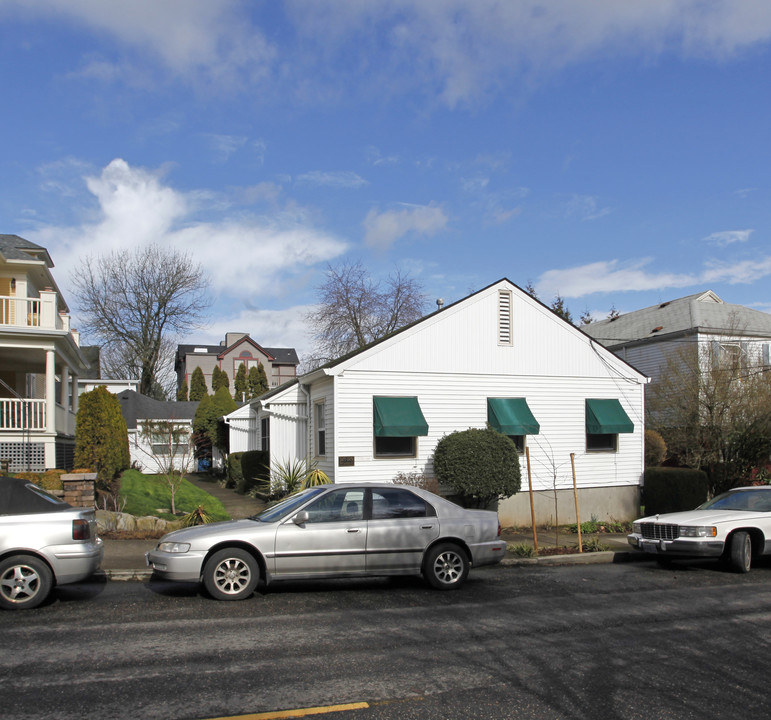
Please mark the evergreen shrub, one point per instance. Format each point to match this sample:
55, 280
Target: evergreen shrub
101, 438
673, 489
255, 469
481, 466
234, 470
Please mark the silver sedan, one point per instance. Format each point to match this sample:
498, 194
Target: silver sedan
43, 542
334, 531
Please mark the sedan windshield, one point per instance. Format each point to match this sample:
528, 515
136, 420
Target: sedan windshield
751, 500
287, 506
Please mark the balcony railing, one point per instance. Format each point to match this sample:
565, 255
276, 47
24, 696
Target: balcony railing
22, 414
32, 312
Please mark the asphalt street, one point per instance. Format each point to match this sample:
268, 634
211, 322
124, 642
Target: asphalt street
626, 640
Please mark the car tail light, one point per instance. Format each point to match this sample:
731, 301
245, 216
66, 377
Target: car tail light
499, 529
81, 530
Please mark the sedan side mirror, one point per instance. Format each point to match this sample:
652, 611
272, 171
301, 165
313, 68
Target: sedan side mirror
301, 518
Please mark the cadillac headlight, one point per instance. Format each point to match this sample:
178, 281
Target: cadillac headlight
173, 547
637, 528
698, 531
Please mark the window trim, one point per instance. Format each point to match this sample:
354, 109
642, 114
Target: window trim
320, 421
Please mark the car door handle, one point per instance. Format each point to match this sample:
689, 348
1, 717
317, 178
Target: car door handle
426, 527
354, 530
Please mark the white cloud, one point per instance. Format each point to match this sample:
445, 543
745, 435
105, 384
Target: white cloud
252, 255
728, 237
613, 276
585, 207
342, 179
381, 230
214, 40
463, 49
456, 50
607, 276
269, 328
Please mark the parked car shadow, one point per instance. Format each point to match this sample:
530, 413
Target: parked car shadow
86, 589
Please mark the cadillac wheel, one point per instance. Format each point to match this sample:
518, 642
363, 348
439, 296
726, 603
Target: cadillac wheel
446, 566
231, 574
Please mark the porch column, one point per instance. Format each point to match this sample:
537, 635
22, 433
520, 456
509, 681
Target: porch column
75, 393
50, 391
64, 400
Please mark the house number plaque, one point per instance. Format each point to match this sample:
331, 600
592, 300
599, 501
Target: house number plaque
345, 461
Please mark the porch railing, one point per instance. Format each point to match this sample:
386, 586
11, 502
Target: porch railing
22, 414
33, 312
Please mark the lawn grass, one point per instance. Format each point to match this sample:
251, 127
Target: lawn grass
149, 495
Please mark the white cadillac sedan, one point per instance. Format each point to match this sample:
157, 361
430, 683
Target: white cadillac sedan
334, 531
734, 526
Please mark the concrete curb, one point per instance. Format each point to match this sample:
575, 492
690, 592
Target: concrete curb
589, 558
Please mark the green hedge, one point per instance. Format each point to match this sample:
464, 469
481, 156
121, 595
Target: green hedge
234, 471
673, 489
255, 467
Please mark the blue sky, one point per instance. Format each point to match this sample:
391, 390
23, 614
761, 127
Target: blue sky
616, 153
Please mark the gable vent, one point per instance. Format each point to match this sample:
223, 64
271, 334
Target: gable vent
504, 317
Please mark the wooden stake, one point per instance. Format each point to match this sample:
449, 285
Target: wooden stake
532, 508
575, 497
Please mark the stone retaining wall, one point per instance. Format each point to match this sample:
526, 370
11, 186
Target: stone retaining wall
108, 521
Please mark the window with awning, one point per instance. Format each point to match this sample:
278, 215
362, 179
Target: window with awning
399, 417
398, 422
606, 417
511, 416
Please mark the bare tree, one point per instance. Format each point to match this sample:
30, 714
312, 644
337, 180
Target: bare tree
169, 448
132, 303
712, 405
354, 309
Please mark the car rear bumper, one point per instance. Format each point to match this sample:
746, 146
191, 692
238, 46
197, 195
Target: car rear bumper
488, 553
72, 563
684, 548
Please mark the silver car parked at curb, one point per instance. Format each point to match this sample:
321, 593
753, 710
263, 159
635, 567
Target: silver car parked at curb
334, 531
43, 542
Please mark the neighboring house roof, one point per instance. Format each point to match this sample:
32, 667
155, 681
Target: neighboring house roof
279, 355
135, 406
13, 247
703, 312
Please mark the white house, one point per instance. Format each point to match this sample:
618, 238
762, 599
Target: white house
721, 331
151, 453
40, 362
498, 356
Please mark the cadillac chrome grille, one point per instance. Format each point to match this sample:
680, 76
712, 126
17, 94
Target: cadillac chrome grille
654, 531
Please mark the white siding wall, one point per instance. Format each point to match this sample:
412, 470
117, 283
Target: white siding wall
288, 426
457, 402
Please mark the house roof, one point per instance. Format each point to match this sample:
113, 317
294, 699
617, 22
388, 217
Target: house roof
13, 247
135, 406
704, 312
279, 355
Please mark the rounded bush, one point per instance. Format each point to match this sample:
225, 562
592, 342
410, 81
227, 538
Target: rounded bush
479, 465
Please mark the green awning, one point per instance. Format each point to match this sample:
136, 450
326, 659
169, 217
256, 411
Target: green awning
399, 417
511, 416
606, 417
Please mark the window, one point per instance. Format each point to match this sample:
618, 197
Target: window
399, 503
512, 417
265, 434
338, 506
504, 317
605, 419
398, 421
321, 431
